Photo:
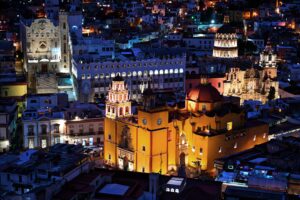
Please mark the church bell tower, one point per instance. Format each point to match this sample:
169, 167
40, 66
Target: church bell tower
118, 103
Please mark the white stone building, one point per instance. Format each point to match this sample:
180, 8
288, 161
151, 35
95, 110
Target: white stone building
45, 44
166, 72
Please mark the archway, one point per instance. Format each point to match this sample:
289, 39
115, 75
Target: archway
125, 163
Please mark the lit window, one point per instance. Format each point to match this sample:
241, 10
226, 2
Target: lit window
254, 138
235, 145
220, 149
193, 149
229, 126
201, 151
264, 136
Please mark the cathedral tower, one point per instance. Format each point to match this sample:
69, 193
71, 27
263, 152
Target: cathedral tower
225, 43
118, 103
268, 61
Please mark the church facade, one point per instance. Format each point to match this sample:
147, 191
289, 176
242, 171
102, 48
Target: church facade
46, 52
163, 139
254, 83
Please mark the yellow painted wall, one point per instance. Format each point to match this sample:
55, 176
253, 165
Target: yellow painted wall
13, 90
162, 142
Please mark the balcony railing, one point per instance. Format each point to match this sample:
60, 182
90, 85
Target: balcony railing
86, 133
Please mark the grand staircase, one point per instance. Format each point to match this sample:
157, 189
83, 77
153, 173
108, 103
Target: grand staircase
46, 83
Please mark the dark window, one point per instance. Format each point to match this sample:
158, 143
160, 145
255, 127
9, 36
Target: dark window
109, 137
144, 148
219, 85
20, 179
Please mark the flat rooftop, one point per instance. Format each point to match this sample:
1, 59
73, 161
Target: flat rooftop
114, 189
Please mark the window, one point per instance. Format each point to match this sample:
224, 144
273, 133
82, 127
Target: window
220, 149
143, 169
235, 145
20, 179
144, 148
219, 85
5, 93
31, 143
193, 149
44, 143
201, 152
30, 130
64, 25
109, 136
109, 156
56, 128
203, 107
44, 129
254, 138
229, 126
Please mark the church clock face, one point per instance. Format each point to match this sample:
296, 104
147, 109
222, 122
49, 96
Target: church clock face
144, 121
159, 121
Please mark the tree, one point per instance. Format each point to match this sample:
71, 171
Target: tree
271, 95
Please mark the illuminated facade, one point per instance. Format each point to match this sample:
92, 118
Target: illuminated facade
225, 43
161, 139
49, 120
254, 83
46, 52
95, 62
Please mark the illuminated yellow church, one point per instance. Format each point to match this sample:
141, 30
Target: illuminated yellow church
161, 139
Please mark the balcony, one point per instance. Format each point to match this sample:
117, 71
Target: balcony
30, 134
85, 134
43, 133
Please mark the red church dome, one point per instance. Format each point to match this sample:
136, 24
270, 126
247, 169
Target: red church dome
204, 93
